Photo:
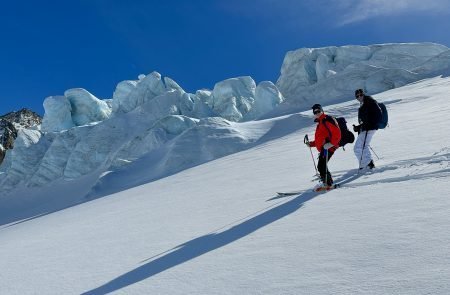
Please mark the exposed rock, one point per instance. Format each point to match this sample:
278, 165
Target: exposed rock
24, 118
11, 123
8, 133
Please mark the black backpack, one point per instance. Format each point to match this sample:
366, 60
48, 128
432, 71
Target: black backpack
384, 116
346, 135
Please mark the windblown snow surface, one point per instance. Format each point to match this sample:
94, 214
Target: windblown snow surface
219, 228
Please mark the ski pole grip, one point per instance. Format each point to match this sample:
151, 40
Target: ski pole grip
305, 140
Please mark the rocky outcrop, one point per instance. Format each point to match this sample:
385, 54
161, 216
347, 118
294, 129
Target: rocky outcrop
23, 118
7, 134
11, 123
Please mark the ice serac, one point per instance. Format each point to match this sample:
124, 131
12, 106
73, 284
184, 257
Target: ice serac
267, 96
157, 117
76, 108
131, 94
331, 74
98, 148
86, 108
172, 85
60, 146
111, 143
123, 90
23, 159
233, 98
58, 114
439, 64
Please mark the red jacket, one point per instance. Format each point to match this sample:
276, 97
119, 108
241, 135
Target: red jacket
322, 134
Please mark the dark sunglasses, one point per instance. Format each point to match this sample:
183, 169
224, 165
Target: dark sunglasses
315, 112
359, 95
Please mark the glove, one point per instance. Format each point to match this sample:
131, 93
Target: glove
307, 144
328, 146
357, 129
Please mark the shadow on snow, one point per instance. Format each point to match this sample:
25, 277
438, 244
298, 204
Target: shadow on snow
202, 245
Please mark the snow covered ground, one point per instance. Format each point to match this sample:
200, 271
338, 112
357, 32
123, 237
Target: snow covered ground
219, 228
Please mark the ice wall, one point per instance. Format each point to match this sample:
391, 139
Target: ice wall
331, 74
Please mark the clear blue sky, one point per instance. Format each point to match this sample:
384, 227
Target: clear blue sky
49, 46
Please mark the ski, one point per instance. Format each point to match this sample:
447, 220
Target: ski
318, 189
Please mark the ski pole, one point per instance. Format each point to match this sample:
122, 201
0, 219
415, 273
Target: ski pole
326, 167
374, 153
306, 141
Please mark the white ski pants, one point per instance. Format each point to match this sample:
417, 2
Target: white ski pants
362, 150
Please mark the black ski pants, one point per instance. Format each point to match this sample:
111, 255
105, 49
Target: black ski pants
322, 166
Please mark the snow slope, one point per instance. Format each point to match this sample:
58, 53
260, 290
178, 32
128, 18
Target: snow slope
219, 228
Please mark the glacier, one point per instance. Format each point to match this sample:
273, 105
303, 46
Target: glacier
153, 116
82, 135
331, 74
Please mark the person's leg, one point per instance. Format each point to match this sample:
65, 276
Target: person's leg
362, 148
366, 153
358, 147
322, 166
329, 178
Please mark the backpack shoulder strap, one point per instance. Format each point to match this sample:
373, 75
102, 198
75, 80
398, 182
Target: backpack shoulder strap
328, 119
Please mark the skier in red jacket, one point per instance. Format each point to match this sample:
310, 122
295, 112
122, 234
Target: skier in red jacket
326, 140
